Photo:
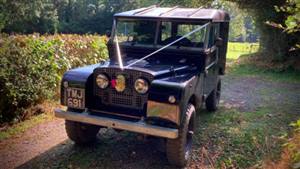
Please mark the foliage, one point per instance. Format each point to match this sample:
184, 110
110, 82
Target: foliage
292, 8
26, 16
31, 67
293, 144
95, 16
242, 27
64, 16
292, 21
274, 43
290, 156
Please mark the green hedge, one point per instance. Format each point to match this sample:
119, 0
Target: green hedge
31, 67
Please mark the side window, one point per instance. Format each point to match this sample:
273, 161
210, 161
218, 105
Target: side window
196, 37
166, 28
171, 31
213, 34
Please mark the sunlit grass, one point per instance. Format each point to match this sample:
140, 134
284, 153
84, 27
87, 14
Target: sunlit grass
251, 70
25, 125
243, 139
236, 49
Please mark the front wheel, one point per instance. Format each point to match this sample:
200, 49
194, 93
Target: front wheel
81, 133
179, 150
213, 99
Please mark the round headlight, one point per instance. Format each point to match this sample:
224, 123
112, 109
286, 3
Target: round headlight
141, 86
102, 81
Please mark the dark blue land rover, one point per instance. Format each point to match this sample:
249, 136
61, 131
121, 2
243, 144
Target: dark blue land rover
163, 64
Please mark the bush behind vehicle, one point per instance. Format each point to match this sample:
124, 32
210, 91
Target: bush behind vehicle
31, 67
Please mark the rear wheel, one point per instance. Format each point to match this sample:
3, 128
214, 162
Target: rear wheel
179, 150
212, 101
81, 133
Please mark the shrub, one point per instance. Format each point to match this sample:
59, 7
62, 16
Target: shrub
31, 67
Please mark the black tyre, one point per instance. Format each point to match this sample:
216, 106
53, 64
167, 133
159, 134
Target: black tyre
81, 133
212, 101
179, 150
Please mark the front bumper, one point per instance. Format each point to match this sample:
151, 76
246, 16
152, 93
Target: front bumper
138, 127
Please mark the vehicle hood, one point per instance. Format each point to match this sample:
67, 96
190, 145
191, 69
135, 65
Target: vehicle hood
160, 69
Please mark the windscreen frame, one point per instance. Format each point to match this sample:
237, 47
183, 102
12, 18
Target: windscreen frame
158, 23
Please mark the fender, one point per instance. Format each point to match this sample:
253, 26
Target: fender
181, 87
78, 78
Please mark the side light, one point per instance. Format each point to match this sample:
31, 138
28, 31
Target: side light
66, 84
172, 99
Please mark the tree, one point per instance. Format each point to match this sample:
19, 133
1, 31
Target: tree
95, 16
92, 16
26, 16
241, 24
273, 42
292, 21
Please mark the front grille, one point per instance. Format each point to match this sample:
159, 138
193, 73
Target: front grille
129, 98
121, 101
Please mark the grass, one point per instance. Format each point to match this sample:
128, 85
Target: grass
46, 109
21, 127
242, 139
251, 70
237, 139
236, 50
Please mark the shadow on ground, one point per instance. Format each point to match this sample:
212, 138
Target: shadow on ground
112, 150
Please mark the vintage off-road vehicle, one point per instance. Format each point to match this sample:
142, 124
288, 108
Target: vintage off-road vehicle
163, 64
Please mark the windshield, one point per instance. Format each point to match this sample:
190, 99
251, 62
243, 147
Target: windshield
135, 32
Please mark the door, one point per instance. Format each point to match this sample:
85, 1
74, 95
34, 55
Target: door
211, 60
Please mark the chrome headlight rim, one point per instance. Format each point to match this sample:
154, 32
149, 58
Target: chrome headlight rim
102, 78
140, 81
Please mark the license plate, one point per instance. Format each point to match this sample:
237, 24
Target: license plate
74, 98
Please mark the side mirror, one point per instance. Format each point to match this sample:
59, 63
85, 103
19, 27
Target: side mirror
108, 34
219, 42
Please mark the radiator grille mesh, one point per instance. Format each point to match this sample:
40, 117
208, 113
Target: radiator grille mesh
129, 97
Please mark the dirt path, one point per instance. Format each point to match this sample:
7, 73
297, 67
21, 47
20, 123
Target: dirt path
47, 146
35, 141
